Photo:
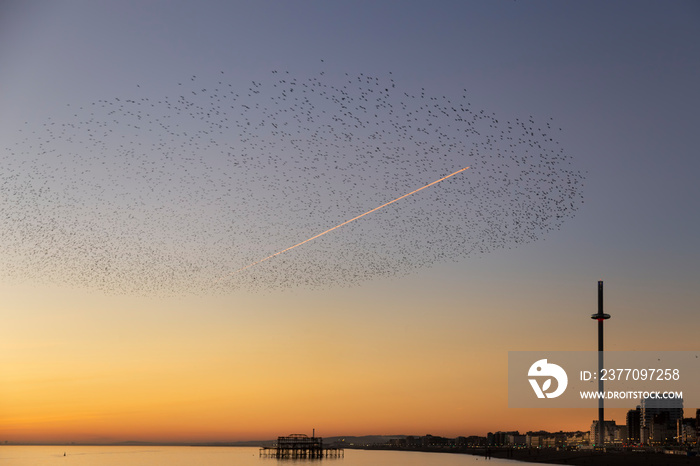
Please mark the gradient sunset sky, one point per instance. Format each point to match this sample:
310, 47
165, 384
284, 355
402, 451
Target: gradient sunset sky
415, 354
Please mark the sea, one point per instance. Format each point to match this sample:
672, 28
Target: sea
12, 455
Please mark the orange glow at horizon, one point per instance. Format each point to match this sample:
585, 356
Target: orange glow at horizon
388, 359
178, 377
347, 221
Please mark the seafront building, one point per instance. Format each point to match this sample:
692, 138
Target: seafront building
687, 431
659, 420
613, 434
634, 425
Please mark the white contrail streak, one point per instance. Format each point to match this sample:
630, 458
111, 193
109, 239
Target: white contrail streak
348, 221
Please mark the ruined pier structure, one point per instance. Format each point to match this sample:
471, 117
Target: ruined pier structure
300, 446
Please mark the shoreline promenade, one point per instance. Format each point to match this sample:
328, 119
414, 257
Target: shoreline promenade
570, 457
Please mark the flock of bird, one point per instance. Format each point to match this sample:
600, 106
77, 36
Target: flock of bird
181, 193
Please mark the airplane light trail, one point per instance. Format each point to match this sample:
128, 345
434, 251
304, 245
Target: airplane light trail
348, 221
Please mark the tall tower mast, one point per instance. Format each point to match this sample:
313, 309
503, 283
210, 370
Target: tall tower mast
600, 317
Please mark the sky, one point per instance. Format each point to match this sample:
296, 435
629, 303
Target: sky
411, 347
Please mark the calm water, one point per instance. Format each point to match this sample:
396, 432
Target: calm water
219, 456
